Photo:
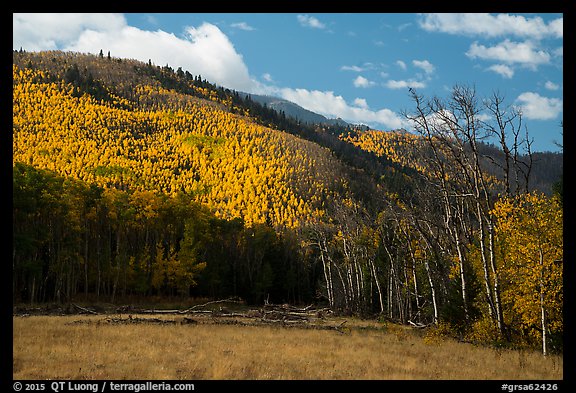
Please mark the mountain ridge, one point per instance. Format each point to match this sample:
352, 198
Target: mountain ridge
301, 114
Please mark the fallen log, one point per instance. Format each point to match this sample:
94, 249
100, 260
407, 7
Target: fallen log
191, 310
85, 309
284, 315
417, 325
236, 300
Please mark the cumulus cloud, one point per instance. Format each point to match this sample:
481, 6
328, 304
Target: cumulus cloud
310, 21
332, 106
536, 107
551, 85
203, 50
242, 26
404, 84
502, 69
488, 25
401, 64
47, 31
424, 65
361, 103
362, 82
510, 52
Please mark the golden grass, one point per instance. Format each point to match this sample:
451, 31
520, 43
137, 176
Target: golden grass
53, 347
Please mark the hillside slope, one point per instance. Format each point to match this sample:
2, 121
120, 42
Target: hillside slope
140, 135
131, 179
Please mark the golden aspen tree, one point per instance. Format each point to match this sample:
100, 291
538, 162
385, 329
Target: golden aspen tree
529, 230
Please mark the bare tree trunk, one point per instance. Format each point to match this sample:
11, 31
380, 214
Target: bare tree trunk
327, 277
497, 301
390, 294
455, 234
432, 290
542, 307
344, 288
462, 281
378, 287
487, 283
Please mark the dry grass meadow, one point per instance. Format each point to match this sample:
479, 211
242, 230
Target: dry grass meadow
78, 347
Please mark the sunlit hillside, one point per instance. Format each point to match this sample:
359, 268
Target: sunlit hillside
161, 139
135, 180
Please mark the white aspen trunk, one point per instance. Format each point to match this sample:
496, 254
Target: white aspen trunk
378, 287
487, 283
432, 290
462, 278
359, 282
542, 308
413, 257
429, 275
328, 280
330, 284
456, 236
497, 302
414, 277
350, 277
393, 282
390, 294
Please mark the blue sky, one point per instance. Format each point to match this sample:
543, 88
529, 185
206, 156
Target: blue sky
354, 66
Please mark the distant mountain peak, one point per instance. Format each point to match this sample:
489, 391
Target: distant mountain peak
299, 113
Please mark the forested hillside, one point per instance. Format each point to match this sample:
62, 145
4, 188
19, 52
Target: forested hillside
135, 179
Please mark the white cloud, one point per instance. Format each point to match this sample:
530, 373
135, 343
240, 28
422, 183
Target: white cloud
361, 103
510, 52
362, 82
242, 26
355, 68
267, 77
488, 25
503, 70
424, 65
551, 85
352, 68
483, 117
557, 27
536, 107
310, 21
404, 84
34, 32
401, 64
204, 50
333, 106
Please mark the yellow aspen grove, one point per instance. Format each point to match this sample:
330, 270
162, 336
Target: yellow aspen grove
529, 231
136, 181
183, 145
